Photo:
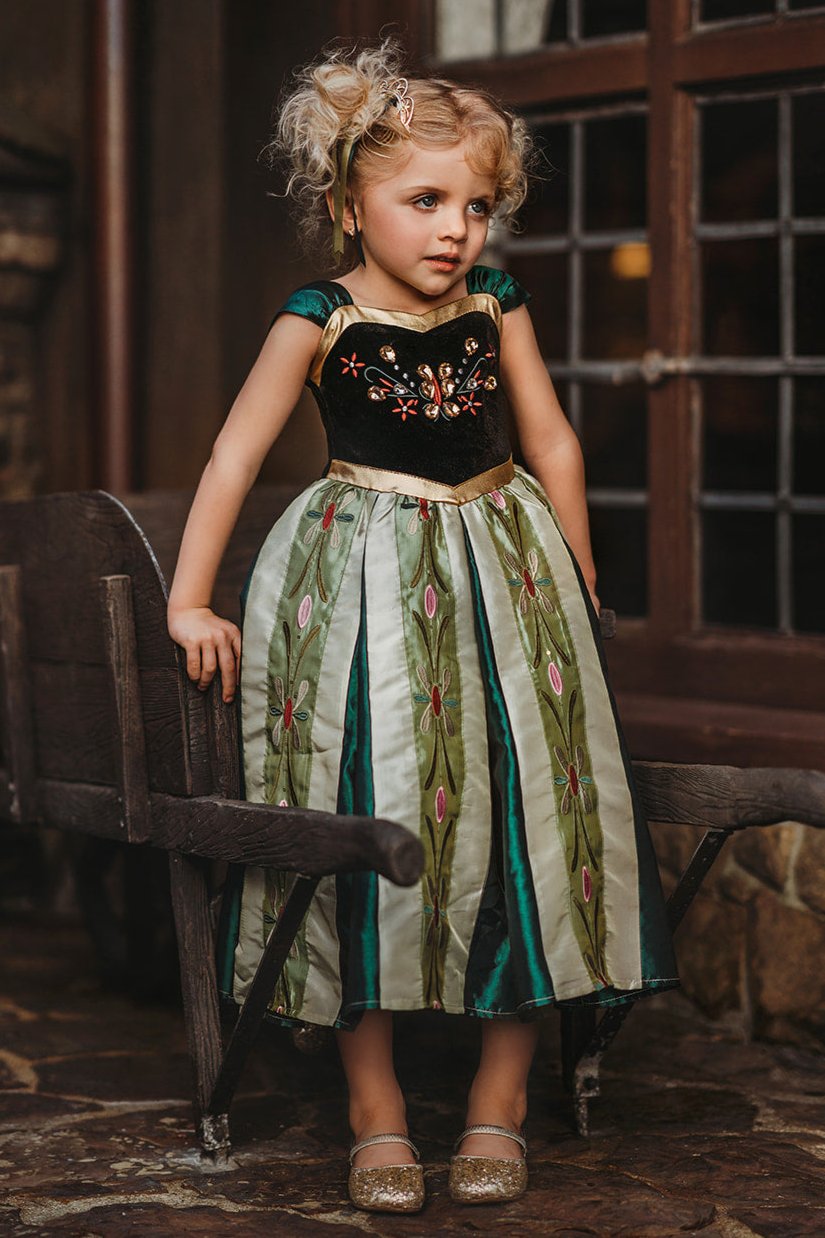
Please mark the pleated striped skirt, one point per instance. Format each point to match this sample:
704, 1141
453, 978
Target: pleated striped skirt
440, 664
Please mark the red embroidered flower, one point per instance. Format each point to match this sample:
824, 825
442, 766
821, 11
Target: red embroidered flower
436, 700
407, 408
352, 365
471, 403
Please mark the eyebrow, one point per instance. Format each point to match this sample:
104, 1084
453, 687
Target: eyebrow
484, 193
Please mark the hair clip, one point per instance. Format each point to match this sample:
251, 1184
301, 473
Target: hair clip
398, 94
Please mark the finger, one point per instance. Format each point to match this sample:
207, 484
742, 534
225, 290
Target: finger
226, 661
208, 664
193, 662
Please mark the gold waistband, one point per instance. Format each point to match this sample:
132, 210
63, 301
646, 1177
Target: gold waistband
422, 487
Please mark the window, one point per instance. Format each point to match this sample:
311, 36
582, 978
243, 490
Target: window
676, 255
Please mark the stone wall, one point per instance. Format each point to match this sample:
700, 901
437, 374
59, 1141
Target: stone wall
751, 945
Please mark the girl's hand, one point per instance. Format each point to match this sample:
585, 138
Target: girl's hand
209, 642
591, 589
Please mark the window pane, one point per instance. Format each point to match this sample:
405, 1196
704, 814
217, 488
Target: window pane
809, 436
557, 27
465, 29
809, 154
739, 424
726, 10
808, 573
739, 160
615, 302
525, 23
604, 17
545, 276
548, 202
614, 435
739, 568
806, 4
615, 172
740, 299
619, 539
810, 295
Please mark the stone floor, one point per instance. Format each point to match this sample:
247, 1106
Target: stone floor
695, 1132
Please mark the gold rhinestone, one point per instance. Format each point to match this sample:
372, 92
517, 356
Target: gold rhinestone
387, 352
377, 393
470, 345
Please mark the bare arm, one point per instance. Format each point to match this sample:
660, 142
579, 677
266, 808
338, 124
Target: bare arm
257, 416
548, 441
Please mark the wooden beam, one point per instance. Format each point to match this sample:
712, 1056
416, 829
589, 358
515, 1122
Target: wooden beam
667, 728
559, 76
783, 46
729, 797
112, 116
17, 781
130, 742
672, 601
295, 839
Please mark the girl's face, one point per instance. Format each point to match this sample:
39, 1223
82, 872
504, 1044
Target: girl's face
426, 224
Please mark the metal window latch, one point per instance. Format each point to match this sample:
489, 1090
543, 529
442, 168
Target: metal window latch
655, 367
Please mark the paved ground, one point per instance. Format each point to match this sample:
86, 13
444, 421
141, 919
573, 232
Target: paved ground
695, 1132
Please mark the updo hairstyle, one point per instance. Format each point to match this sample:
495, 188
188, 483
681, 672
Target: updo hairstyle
340, 96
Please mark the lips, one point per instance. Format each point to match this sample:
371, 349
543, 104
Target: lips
444, 259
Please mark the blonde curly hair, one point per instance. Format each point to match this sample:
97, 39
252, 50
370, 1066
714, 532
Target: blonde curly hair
342, 96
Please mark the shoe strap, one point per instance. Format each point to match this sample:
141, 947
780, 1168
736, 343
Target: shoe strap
366, 1143
485, 1129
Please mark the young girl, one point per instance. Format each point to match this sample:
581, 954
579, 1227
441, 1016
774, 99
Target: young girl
421, 637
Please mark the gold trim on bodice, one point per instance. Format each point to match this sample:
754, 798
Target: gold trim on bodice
345, 315
423, 487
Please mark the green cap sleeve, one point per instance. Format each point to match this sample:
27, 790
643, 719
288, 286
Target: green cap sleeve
507, 291
315, 301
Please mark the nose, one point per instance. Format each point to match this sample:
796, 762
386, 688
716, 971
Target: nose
453, 224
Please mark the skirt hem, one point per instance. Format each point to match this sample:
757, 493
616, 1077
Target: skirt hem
526, 1012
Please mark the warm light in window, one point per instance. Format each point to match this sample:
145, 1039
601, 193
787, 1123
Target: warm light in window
631, 260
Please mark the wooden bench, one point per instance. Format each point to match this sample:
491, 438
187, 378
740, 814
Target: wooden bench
101, 731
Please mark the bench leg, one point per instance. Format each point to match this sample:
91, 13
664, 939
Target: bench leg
260, 994
199, 987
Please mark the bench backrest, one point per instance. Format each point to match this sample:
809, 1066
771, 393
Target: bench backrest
64, 544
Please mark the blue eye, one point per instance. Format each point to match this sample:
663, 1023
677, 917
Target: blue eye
480, 207
426, 200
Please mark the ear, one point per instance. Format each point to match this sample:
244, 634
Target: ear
349, 221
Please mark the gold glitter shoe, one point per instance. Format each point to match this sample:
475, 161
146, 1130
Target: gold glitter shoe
386, 1188
488, 1179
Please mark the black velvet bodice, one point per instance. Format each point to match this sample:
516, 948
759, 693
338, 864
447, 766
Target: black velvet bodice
417, 394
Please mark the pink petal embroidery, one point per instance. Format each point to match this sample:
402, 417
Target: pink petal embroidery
440, 805
283, 804
587, 884
430, 601
498, 499
304, 611
555, 678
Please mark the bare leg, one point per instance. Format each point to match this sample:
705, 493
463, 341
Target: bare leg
376, 1102
498, 1094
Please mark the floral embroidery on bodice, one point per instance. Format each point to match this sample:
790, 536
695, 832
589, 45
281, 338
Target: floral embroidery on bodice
414, 393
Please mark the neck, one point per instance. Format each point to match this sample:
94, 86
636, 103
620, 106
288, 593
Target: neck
370, 286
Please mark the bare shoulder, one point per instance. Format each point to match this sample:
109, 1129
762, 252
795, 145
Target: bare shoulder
519, 346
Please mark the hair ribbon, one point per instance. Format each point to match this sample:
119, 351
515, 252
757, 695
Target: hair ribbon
397, 92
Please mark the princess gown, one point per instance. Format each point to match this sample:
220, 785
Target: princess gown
419, 645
